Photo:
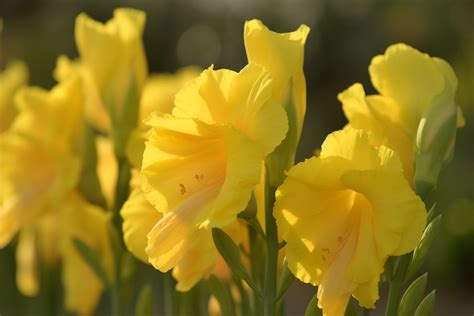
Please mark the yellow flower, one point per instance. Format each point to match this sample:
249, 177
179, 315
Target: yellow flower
47, 128
282, 54
50, 239
201, 163
410, 84
114, 56
342, 214
91, 225
11, 79
158, 95
40, 169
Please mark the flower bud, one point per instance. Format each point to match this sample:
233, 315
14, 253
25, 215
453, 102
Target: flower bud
435, 141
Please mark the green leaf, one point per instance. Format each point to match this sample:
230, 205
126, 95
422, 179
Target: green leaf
433, 212
312, 308
412, 296
231, 254
286, 280
91, 257
427, 305
222, 294
421, 251
144, 306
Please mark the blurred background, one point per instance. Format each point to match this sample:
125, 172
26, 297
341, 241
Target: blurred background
345, 35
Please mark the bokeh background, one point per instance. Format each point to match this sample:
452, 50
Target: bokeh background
345, 35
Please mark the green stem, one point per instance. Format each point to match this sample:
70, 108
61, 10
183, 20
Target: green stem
271, 263
115, 298
121, 194
256, 269
121, 191
396, 285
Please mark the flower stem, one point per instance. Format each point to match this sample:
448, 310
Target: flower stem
121, 195
271, 263
396, 285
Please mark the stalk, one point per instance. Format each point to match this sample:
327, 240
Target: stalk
271, 264
396, 285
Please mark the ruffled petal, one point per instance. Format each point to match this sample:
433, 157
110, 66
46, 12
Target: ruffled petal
399, 220
410, 78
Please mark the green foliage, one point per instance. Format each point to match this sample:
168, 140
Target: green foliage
231, 254
412, 296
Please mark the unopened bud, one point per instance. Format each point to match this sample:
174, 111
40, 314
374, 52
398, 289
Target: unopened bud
435, 141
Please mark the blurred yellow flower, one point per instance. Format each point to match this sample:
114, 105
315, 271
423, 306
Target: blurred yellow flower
48, 128
410, 84
114, 56
41, 163
11, 79
201, 163
342, 214
282, 54
158, 95
49, 239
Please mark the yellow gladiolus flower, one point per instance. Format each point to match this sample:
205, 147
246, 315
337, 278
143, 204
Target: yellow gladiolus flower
48, 128
40, 203
91, 225
219, 134
201, 163
411, 85
282, 54
114, 56
342, 214
11, 79
50, 238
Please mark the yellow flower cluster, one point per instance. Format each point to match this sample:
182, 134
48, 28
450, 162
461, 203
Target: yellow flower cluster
198, 144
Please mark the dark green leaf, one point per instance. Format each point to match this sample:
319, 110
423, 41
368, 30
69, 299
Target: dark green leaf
427, 305
231, 254
420, 253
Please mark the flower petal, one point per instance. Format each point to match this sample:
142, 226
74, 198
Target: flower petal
409, 77
139, 217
